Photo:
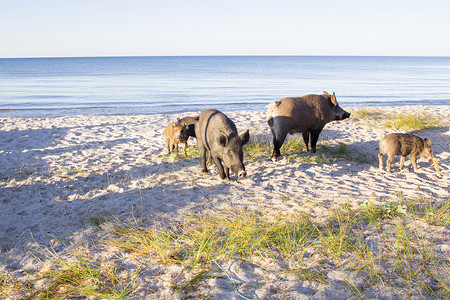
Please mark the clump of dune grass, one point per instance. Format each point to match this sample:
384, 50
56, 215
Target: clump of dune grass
411, 121
430, 212
75, 277
364, 113
4, 284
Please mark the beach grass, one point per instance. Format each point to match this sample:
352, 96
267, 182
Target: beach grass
398, 121
365, 113
373, 243
206, 240
411, 121
75, 276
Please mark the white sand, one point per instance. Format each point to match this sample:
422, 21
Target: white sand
58, 173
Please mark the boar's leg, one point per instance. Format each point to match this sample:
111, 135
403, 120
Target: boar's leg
202, 151
185, 148
414, 162
402, 161
219, 166
314, 138
277, 143
168, 145
389, 162
306, 140
209, 161
279, 133
380, 160
227, 172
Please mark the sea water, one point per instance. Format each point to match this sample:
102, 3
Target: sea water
47, 87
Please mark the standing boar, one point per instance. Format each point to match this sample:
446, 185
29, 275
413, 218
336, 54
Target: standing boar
175, 134
217, 134
307, 114
189, 122
405, 144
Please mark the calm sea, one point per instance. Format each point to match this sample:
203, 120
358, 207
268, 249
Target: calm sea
39, 87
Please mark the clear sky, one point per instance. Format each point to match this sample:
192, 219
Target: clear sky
46, 28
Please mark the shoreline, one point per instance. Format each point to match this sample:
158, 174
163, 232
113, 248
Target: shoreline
54, 112
58, 175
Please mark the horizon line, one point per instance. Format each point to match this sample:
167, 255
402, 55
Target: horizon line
228, 55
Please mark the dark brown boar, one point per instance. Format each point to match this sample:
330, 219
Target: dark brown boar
218, 135
405, 144
174, 134
189, 122
308, 114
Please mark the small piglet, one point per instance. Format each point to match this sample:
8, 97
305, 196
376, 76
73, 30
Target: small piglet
189, 122
405, 144
175, 134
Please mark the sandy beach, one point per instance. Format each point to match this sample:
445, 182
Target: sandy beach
59, 175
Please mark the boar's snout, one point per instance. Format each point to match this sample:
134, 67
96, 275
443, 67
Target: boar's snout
341, 114
242, 174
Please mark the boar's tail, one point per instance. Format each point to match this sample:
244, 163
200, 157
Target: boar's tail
270, 110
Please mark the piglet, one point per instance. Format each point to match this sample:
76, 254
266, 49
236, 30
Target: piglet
405, 144
174, 134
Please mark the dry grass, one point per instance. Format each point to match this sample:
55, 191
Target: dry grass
398, 121
402, 257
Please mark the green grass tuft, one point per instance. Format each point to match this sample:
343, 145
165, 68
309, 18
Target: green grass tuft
411, 121
366, 113
76, 277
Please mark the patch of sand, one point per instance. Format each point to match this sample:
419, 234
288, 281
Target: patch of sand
57, 175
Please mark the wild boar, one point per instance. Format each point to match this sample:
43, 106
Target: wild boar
174, 134
405, 144
189, 122
307, 114
218, 135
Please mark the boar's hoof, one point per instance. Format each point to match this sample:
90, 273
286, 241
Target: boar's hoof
436, 166
242, 174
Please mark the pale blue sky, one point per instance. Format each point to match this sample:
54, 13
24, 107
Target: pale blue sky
43, 28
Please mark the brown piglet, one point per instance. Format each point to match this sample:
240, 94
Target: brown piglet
175, 134
405, 144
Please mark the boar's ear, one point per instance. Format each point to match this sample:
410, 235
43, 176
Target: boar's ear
333, 99
245, 137
427, 142
325, 93
222, 139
